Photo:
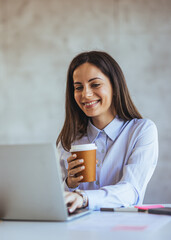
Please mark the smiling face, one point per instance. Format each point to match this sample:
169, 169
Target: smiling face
94, 94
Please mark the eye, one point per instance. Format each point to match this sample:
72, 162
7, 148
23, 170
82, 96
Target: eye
78, 88
95, 85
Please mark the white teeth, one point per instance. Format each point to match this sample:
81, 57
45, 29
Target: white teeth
88, 104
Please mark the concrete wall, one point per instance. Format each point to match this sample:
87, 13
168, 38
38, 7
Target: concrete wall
38, 39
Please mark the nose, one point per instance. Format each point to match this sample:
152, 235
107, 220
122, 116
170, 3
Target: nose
87, 92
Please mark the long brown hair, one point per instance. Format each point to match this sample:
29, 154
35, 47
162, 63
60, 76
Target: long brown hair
75, 125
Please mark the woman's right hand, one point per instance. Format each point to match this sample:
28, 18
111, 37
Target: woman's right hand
74, 167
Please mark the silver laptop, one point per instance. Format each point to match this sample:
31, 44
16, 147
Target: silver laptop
31, 185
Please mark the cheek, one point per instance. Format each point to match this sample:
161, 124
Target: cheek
105, 93
107, 96
76, 97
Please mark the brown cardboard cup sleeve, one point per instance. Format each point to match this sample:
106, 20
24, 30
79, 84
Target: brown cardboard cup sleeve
88, 153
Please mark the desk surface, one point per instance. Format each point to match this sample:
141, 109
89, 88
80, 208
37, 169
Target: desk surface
97, 225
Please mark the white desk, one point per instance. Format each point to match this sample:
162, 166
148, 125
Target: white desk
15, 230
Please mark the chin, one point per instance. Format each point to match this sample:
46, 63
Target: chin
90, 114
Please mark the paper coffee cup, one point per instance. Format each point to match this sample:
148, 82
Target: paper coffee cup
88, 153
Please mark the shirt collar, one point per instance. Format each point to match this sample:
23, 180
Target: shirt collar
112, 130
92, 131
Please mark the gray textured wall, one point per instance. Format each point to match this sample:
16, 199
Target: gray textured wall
38, 39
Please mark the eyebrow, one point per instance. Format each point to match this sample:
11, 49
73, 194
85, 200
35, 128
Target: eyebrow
91, 79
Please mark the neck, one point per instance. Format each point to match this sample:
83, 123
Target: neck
102, 122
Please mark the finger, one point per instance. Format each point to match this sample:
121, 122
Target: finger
71, 158
74, 171
73, 182
68, 197
76, 180
75, 163
76, 203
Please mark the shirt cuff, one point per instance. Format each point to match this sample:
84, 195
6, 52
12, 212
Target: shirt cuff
95, 198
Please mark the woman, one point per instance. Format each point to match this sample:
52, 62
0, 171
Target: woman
99, 110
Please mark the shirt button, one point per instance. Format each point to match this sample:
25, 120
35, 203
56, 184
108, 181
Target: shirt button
97, 182
102, 151
98, 164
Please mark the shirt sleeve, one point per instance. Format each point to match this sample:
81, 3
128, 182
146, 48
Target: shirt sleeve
137, 172
63, 155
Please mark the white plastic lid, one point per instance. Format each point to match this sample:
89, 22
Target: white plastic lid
83, 147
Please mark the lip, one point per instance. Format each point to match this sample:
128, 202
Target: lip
90, 104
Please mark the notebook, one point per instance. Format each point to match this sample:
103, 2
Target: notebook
31, 185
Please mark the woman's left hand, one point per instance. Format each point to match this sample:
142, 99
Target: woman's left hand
74, 200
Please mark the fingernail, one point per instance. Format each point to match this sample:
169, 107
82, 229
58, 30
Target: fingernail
81, 177
71, 210
81, 160
74, 155
82, 167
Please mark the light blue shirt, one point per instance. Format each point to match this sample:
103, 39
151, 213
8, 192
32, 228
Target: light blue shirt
127, 154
